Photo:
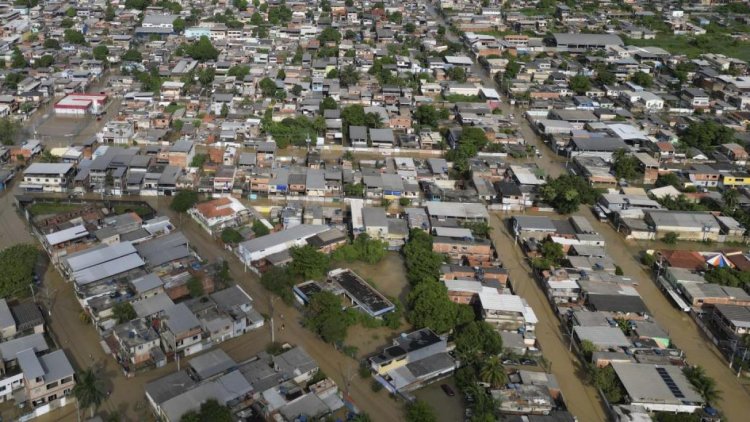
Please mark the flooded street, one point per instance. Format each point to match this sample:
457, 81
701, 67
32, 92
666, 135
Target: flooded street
582, 400
684, 332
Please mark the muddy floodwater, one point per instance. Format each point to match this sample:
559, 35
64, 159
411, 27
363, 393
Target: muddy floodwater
389, 278
388, 275
447, 409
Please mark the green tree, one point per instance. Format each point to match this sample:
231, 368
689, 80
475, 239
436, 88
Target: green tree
89, 390
256, 19
706, 135
625, 165
410, 27
328, 103
109, 13
668, 179
71, 12
267, 87
329, 34
260, 229
493, 372
195, 287
670, 238
123, 312
11, 81
74, 37
101, 52
210, 411
280, 282
731, 199
17, 269
238, 71
605, 77
324, 316
231, 235
198, 160
703, 384
224, 112
202, 50
587, 349
422, 264
206, 76
580, 84
132, 55
354, 189
606, 380
51, 43
178, 25
643, 79
309, 262
8, 129
430, 307
18, 61
456, 73
427, 115
240, 4
349, 76
183, 201
420, 411
567, 192
475, 341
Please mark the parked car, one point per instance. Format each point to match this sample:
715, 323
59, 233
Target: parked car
448, 390
598, 211
528, 362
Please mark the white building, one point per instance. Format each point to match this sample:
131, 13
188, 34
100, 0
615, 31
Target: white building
48, 177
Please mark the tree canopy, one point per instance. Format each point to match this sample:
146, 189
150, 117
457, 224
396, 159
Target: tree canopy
210, 411
430, 307
324, 316
123, 312
231, 235
132, 55
420, 411
706, 135
17, 269
308, 262
567, 192
202, 50
625, 165
8, 128
89, 390
74, 37
184, 200
363, 248
476, 340
580, 84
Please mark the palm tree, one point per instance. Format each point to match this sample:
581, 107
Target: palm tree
89, 390
493, 372
703, 384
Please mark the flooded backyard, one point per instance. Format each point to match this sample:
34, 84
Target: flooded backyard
447, 409
389, 278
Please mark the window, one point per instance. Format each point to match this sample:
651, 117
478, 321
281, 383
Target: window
66, 380
52, 385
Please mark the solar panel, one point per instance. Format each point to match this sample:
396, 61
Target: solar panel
670, 383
